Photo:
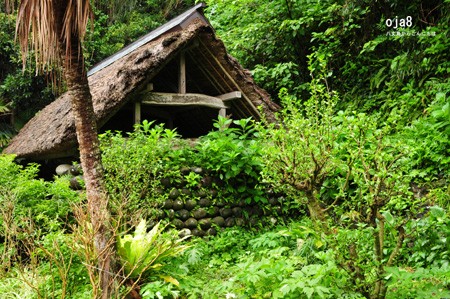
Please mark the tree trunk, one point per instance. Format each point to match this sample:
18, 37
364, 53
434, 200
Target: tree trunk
316, 213
90, 157
55, 28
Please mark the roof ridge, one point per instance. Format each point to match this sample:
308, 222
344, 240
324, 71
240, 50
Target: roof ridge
146, 38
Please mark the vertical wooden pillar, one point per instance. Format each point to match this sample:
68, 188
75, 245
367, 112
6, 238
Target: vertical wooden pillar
182, 75
137, 105
137, 112
223, 112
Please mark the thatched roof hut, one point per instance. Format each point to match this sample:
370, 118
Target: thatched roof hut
179, 74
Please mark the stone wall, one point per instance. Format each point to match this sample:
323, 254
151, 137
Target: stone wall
205, 203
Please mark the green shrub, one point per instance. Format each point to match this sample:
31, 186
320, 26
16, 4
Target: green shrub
234, 154
152, 164
302, 152
46, 204
292, 261
135, 164
65, 274
428, 241
30, 208
351, 172
431, 155
143, 252
418, 283
12, 285
144, 257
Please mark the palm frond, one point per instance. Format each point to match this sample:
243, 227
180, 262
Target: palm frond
48, 27
36, 27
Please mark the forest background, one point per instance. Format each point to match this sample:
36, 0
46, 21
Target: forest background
363, 84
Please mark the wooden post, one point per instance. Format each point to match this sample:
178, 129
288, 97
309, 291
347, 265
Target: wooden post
137, 112
223, 112
137, 105
182, 75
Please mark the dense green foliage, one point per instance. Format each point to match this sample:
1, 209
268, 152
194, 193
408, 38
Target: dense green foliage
44, 204
374, 66
360, 157
290, 261
35, 218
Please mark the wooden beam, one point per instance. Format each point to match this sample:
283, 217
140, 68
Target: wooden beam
205, 60
146, 88
195, 57
230, 96
177, 99
182, 74
219, 73
255, 110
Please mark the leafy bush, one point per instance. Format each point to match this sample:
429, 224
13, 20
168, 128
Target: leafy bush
352, 173
63, 269
12, 286
418, 282
428, 241
144, 251
431, 156
134, 166
159, 289
302, 152
233, 153
46, 204
30, 208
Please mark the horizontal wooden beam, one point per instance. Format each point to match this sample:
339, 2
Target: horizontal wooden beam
230, 96
177, 99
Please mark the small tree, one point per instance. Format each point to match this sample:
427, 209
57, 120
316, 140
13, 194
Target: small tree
350, 172
380, 200
302, 149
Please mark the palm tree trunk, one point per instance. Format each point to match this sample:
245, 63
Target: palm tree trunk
56, 28
90, 157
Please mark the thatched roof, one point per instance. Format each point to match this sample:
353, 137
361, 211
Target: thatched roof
51, 132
